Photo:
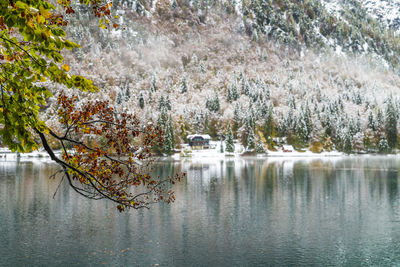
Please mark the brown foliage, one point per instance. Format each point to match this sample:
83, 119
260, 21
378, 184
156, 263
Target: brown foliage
115, 169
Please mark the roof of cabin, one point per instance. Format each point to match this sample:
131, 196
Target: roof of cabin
204, 136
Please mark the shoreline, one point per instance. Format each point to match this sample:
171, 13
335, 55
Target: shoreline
7, 156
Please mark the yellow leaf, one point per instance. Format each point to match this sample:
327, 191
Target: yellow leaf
65, 67
45, 13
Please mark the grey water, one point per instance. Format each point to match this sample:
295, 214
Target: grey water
247, 212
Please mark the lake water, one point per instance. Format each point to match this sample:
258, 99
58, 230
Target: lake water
253, 212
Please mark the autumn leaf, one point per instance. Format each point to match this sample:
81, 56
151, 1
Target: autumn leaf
65, 67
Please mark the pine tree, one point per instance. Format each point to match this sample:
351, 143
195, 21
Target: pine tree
168, 146
171, 130
141, 100
206, 126
268, 124
184, 86
383, 145
202, 67
162, 123
302, 131
391, 125
127, 93
236, 120
162, 118
119, 98
347, 146
371, 122
229, 96
212, 104
153, 84
229, 145
260, 145
167, 102
161, 103
379, 120
251, 142
221, 147
169, 143
234, 91
216, 102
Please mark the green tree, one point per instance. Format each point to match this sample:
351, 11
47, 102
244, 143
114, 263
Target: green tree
153, 84
268, 127
184, 86
347, 143
391, 125
383, 145
229, 145
251, 142
259, 146
236, 120
141, 100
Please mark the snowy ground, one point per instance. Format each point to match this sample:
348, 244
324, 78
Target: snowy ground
7, 155
210, 154
216, 153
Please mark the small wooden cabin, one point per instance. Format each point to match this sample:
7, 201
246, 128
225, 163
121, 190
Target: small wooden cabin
199, 141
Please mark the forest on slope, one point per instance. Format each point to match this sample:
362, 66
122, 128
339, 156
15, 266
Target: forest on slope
320, 76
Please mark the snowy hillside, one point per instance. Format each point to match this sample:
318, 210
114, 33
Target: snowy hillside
198, 70
387, 11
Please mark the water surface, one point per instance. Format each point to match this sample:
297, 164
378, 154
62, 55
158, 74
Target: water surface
269, 212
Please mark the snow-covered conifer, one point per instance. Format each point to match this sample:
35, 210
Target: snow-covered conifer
391, 124
260, 146
251, 142
184, 86
229, 145
141, 100
383, 145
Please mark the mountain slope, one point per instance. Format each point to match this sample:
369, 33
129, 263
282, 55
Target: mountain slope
207, 71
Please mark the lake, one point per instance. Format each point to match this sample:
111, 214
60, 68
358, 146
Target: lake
342, 211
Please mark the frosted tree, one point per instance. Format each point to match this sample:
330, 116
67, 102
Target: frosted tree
221, 146
236, 120
302, 131
202, 67
379, 120
358, 142
383, 145
212, 104
162, 118
119, 98
167, 102
282, 128
171, 129
169, 143
260, 146
229, 145
127, 92
391, 124
251, 142
347, 143
268, 127
153, 83
184, 86
233, 93
161, 103
371, 121
141, 100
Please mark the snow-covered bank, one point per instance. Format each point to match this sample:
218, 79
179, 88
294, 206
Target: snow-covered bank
8, 155
217, 153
